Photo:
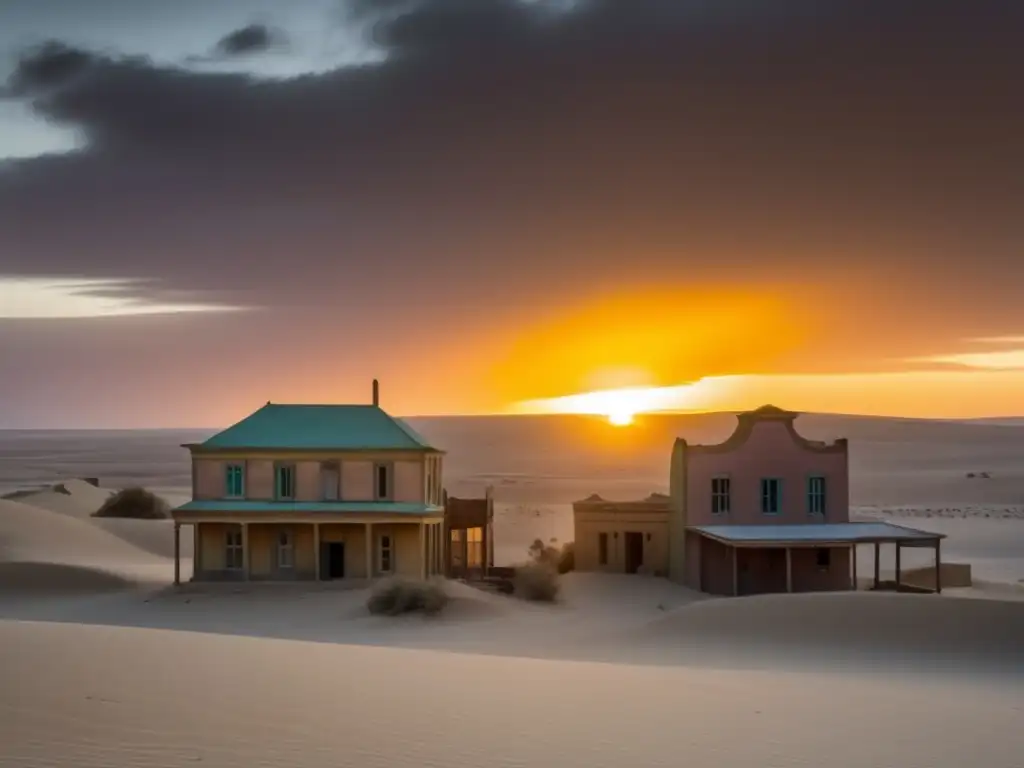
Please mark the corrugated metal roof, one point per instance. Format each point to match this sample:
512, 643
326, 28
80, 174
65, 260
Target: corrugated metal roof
810, 533
319, 427
284, 507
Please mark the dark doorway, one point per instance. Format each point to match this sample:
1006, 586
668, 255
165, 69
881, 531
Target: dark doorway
634, 551
332, 560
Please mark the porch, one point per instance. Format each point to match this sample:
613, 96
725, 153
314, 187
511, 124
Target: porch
759, 559
318, 550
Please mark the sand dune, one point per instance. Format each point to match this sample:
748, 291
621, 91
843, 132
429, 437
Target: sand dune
35, 579
36, 534
76, 498
111, 697
919, 632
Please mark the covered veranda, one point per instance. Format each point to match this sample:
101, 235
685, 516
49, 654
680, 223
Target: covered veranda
757, 559
304, 546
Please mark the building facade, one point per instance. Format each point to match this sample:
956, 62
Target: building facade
315, 493
766, 475
767, 510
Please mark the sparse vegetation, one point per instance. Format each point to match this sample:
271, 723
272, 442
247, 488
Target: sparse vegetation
562, 559
134, 503
537, 582
398, 596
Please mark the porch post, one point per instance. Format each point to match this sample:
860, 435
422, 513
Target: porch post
177, 554
853, 561
245, 550
898, 577
735, 572
423, 551
938, 566
369, 550
789, 569
316, 550
878, 556
197, 549
428, 553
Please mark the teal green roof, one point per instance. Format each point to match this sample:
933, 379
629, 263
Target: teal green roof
319, 427
270, 507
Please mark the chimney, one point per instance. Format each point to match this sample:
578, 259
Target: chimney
376, 392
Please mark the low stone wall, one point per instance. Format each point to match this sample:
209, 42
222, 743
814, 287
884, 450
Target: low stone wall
953, 575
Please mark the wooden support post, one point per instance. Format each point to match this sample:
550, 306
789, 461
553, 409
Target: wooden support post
423, 551
245, 551
938, 566
369, 551
316, 551
735, 572
898, 576
177, 554
853, 564
878, 557
789, 569
197, 549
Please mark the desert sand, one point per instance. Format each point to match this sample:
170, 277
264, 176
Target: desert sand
103, 664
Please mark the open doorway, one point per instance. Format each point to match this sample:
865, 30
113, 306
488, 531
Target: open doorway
634, 551
332, 560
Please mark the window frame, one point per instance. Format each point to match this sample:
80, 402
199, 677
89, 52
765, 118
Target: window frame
817, 497
381, 549
234, 470
233, 548
766, 483
285, 544
475, 547
278, 469
335, 467
389, 480
718, 495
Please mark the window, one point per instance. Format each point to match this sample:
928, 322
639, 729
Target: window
455, 549
330, 481
233, 558
384, 560
285, 485
771, 496
824, 558
285, 550
234, 481
474, 547
720, 495
602, 549
816, 496
381, 481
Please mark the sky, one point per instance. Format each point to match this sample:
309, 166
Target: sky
495, 205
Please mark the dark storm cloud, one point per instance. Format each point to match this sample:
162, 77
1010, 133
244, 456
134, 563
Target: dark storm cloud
501, 141
253, 38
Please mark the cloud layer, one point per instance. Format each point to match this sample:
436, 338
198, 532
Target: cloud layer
870, 151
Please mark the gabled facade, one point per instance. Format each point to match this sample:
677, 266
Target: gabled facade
764, 474
315, 493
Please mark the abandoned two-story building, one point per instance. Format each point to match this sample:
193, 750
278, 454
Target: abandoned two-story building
314, 492
765, 511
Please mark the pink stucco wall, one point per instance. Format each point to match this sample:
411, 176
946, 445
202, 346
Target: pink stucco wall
769, 450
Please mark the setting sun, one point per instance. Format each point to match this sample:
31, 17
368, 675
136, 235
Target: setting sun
620, 418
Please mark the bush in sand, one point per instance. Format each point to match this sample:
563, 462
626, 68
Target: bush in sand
136, 504
539, 579
397, 596
562, 559
537, 582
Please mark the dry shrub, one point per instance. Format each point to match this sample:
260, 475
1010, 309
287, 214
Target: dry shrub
134, 503
562, 559
397, 596
537, 582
